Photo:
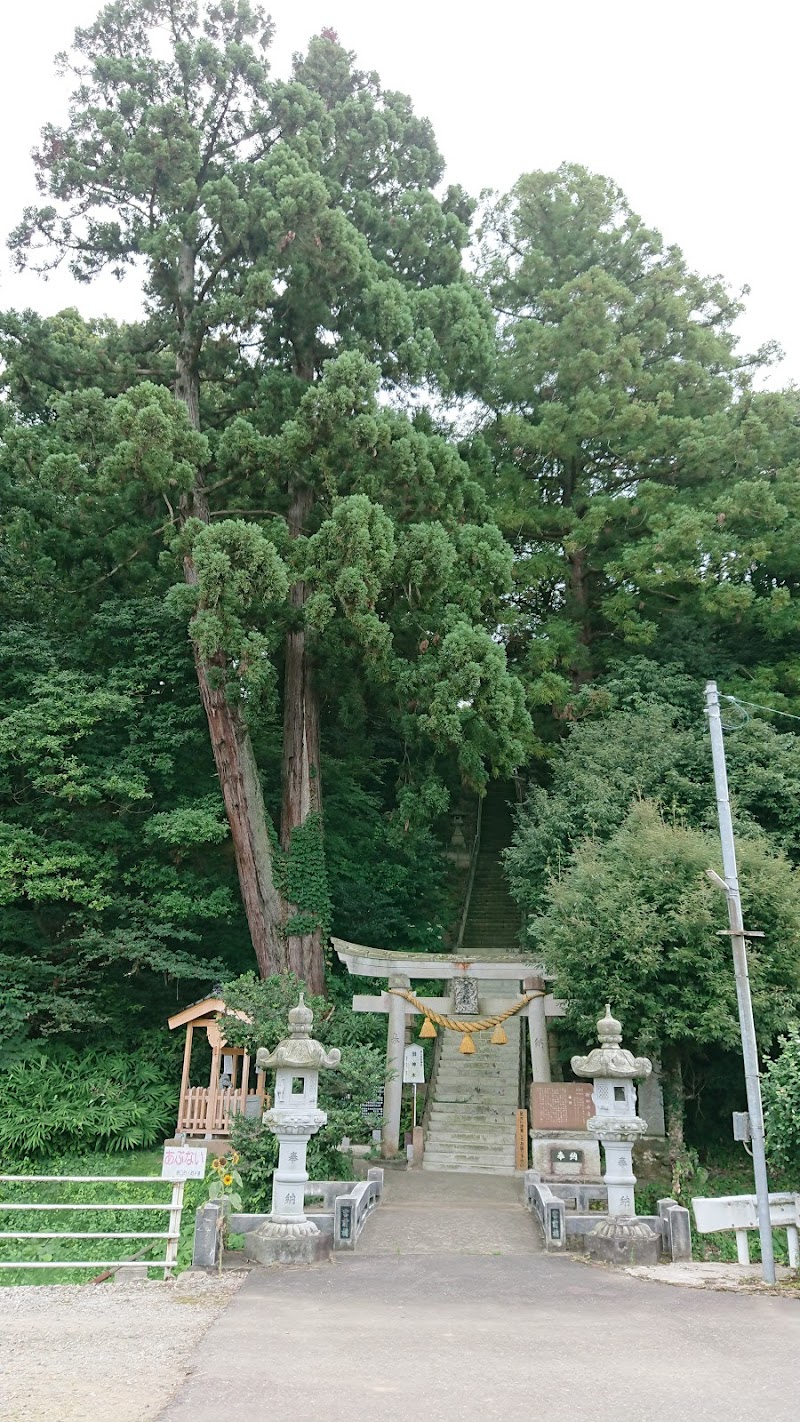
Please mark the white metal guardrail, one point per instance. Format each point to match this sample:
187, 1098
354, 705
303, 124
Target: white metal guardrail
740, 1213
171, 1234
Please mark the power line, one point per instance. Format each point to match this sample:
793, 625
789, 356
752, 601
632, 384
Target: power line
773, 710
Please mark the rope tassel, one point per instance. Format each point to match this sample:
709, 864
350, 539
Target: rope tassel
454, 1024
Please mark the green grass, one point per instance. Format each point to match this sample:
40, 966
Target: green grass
726, 1173
145, 1162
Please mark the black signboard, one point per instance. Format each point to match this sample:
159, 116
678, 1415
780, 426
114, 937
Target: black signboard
561, 1155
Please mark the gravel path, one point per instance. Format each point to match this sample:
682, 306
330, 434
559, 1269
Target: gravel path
70, 1352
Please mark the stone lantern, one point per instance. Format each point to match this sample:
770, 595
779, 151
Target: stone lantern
620, 1238
294, 1119
613, 1070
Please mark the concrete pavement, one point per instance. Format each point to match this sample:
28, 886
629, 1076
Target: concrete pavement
458, 1333
455, 1213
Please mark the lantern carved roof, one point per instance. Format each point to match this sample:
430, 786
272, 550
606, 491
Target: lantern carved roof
611, 1059
299, 1050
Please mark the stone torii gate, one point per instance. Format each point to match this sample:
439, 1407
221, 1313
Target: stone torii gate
398, 969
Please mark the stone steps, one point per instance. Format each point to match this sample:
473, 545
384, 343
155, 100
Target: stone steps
490, 1163
471, 1126
497, 1087
472, 1121
472, 1150
469, 1169
466, 1139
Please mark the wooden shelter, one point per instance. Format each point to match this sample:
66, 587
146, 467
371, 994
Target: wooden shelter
208, 1111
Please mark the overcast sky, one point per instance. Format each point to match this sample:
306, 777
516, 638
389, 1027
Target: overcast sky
691, 106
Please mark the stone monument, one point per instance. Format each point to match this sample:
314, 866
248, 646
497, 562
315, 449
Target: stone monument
289, 1234
613, 1069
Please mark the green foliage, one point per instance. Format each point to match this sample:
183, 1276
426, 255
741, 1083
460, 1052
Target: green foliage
296, 253
637, 476
114, 874
93, 1192
644, 736
358, 1079
623, 523
257, 1148
781, 1093
305, 880
634, 920
65, 1100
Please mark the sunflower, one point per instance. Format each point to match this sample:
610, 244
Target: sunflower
216, 1164
235, 1157
227, 1179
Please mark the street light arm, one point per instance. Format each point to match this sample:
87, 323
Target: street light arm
717, 880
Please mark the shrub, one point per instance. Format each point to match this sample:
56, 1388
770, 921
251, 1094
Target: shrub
781, 1089
62, 1100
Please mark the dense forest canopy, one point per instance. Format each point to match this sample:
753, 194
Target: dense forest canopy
270, 612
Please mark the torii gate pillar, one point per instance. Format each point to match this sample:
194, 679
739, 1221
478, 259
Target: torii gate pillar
395, 1048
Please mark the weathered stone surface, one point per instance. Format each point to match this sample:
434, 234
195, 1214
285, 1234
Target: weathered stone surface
465, 996
207, 1236
246, 1224
624, 1241
651, 1105
418, 1144
678, 1232
278, 1249
561, 1105
547, 1149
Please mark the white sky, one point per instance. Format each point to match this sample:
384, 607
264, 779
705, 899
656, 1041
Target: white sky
689, 105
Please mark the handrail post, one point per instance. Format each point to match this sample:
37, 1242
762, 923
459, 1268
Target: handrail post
175, 1211
473, 864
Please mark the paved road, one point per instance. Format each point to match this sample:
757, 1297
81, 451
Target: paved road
462, 1335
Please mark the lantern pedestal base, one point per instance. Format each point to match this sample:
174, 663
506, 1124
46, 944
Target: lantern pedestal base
617, 1240
288, 1229
273, 1243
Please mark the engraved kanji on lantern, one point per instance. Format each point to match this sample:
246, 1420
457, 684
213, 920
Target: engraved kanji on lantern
294, 1118
615, 1122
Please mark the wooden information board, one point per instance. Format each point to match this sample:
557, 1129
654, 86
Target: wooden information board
522, 1140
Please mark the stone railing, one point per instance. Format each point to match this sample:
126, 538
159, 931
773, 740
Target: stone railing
350, 1211
549, 1209
337, 1197
566, 1216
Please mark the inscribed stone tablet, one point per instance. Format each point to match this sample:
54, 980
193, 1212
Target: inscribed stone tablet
561, 1106
465, 996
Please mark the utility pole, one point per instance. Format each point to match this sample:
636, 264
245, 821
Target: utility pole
746, 1024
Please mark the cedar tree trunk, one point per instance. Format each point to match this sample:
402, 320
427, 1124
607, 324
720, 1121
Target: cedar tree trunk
230, 739
301, 784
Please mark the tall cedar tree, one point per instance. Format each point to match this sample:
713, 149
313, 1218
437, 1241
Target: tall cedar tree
616, 368
276, 222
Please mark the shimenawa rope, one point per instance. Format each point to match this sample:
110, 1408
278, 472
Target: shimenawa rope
456, 1024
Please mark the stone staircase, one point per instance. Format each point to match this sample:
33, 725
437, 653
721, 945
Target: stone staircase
493, 918
472, 1120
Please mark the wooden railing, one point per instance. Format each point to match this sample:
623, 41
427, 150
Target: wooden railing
194, 1116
